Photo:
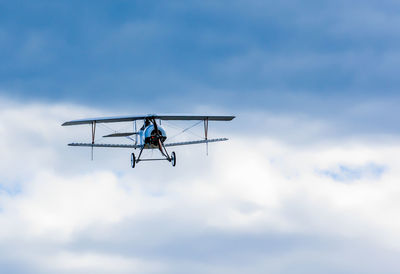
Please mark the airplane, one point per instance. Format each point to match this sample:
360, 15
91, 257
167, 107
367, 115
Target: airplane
150, 136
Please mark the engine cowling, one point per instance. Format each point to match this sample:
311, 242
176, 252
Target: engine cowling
151, 137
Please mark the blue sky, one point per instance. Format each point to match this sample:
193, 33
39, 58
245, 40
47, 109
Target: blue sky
246, 54
308, 182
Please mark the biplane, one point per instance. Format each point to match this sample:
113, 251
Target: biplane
150, 135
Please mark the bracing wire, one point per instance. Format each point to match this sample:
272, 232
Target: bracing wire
115, 131
183, 130
186, 130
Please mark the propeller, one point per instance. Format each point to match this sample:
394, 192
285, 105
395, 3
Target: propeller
158, 137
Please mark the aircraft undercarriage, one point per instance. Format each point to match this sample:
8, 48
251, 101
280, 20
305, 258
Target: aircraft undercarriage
170, 158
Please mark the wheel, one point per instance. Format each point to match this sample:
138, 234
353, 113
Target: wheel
173, 158
133, 160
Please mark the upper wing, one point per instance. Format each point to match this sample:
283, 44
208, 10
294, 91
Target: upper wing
195, 117
151, 116
104, 120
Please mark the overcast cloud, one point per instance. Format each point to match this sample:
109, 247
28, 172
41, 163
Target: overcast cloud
264, 206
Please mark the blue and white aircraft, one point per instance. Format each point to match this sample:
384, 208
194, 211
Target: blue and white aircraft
150, 135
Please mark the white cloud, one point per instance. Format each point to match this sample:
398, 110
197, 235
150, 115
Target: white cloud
256, 204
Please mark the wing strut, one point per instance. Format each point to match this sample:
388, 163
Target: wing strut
206, 133
135, 130
93, 135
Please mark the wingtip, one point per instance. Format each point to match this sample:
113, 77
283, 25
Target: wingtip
68, 123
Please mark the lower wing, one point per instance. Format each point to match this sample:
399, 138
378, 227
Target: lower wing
139, 146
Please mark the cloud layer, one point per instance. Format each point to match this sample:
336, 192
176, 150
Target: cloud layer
257, 204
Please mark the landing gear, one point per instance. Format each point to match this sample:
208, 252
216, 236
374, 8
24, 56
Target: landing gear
133, 160
173, 158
